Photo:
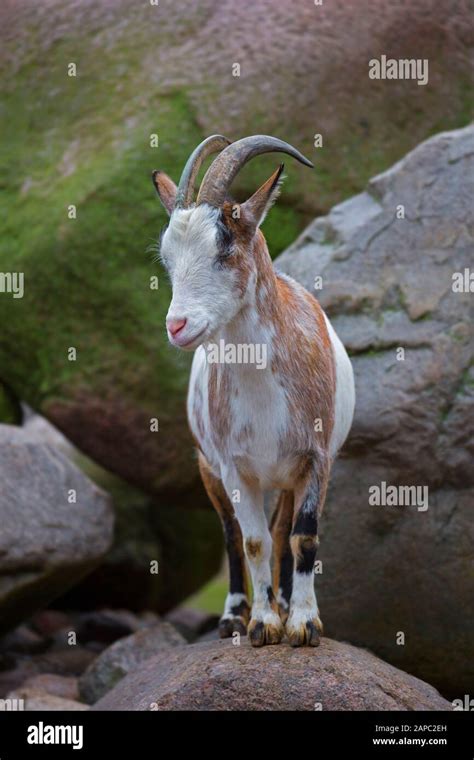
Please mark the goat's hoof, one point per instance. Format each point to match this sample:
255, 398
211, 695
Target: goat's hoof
230, 625
261, 633
304, 633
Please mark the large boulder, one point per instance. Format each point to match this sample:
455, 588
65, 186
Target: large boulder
399, 579
218, 675
125, 656
56, 525
167, 71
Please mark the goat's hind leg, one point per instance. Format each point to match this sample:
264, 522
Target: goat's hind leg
283, 562
237, 610
304, 624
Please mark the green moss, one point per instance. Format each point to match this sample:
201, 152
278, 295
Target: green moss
10, 409
211, 597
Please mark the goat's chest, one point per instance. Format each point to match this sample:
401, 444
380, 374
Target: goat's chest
240, 416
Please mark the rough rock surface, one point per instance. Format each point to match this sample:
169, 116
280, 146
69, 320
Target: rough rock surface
222, 676
46, 543
124, 657
388, 284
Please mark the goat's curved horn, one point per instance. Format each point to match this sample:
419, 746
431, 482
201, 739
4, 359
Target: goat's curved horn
213, 144
225, 167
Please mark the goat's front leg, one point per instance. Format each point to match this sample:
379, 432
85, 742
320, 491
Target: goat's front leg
236, 610
304, 624
265, 625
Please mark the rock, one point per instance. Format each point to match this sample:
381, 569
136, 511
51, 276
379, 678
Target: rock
22, 640
124, 657
50, 683
106, 626
185, 546
212, 635
49, 622
148, 617
192, 623
46, 544
54, 671
67, 661
35, 699
15, 676
127, 375
41, 431
388, 283
98, 629
222, 676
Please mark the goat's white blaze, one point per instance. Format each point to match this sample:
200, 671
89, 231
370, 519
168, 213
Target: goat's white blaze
202, 294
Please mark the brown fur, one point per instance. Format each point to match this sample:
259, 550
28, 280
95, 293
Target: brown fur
220, 384
281, 528
253, 548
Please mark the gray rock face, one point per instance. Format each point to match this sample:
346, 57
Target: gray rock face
387, 284
221, 676
124, 657
46, 543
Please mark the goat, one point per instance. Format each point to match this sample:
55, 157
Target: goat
257, 428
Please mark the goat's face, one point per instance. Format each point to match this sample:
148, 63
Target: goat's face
208, 248
211, 272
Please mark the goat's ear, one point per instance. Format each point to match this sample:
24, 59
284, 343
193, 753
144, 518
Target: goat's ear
166, 190
259, 204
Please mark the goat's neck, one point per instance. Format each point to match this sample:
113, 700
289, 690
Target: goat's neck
251, 324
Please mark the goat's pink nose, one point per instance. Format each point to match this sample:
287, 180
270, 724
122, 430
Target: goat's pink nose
175, 325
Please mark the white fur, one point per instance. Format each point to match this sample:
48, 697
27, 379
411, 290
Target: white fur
232, 601
203, 295
345, 393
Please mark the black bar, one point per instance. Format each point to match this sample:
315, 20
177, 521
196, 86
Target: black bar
138, 734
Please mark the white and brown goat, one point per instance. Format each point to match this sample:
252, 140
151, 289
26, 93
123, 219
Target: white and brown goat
257, 428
